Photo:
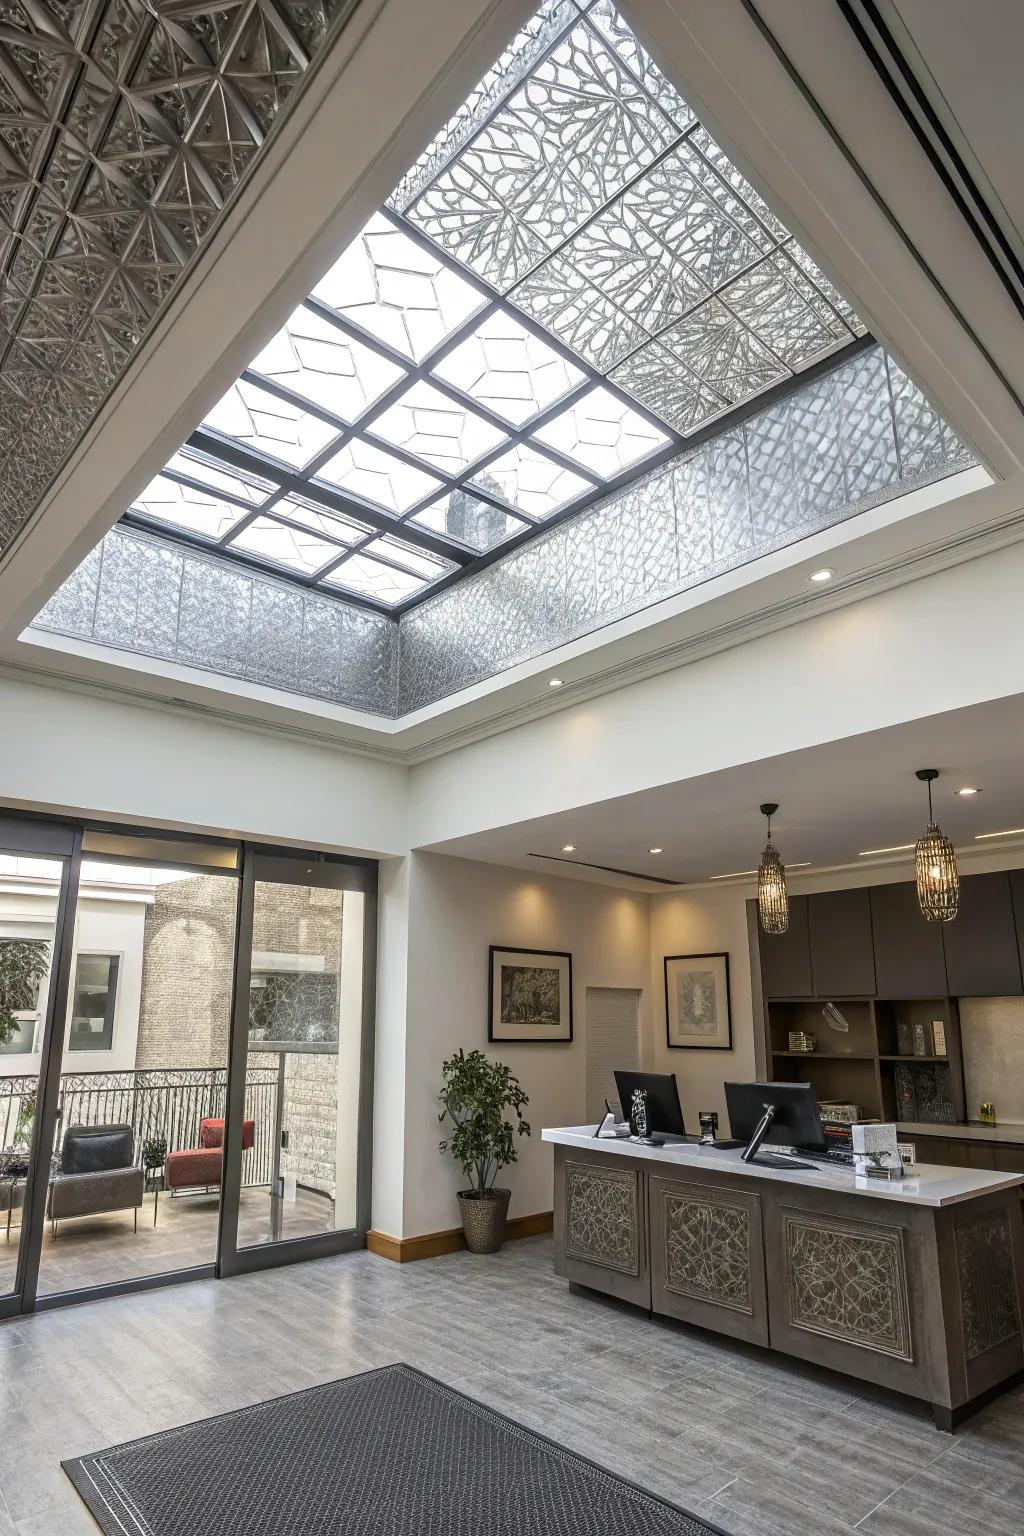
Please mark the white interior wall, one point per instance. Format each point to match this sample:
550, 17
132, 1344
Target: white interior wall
458, 909
79, 752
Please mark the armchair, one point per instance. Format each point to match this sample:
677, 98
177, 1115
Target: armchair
98, 1173
200, 1167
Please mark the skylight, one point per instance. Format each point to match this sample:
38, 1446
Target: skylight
570, 285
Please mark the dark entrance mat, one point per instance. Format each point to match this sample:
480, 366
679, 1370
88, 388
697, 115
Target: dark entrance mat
389, 1453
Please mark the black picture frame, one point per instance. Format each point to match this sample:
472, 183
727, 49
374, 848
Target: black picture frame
721, 1044
510, 1034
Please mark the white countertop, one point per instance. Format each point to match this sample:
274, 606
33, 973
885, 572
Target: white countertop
973, 1132
930, 1185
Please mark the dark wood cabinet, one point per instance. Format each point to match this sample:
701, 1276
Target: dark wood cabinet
909, 959
981, 942
786, 957
842, 957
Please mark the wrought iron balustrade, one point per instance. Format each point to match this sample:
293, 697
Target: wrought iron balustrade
165, 1102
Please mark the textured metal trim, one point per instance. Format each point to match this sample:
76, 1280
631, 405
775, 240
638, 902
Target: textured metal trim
988, 1283
711, 1260
602, 1217
847, 1280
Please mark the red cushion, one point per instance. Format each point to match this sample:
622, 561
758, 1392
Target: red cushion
211, 1133
193, 1167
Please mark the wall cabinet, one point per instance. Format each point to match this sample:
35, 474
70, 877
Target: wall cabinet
909, 958
842, 956
982, 959
786, 957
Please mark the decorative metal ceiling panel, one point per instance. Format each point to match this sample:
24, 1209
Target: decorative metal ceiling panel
856, 436
125, 127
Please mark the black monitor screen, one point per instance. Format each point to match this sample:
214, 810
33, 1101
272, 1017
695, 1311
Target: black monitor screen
664, 1115
796, 1123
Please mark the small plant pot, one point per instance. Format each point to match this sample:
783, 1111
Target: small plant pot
483, 1218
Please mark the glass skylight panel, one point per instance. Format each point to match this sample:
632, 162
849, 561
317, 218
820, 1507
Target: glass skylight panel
475, 523
430, 567
435, 428
371, 578
659, 381
298, 510
724, 353
219, 477
259, 420
362, 470
397, 290
312, 358
602, 433
577, 314
185, 507
282, 545
570, 138
509, 369
529, 480
778, 303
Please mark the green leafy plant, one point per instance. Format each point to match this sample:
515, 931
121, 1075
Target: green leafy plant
154, 1152
23, 966
26, 1116
475, 1093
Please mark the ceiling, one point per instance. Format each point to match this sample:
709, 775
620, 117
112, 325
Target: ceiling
835, 801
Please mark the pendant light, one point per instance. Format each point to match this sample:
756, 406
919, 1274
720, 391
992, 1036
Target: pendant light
938, 884
772, 897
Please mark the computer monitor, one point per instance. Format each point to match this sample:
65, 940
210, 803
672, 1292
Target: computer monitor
785, 1114
664, 1113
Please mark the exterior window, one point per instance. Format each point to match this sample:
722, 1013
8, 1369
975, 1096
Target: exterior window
92, 1014
24, 964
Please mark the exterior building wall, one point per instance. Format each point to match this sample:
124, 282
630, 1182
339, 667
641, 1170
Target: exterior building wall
187, 966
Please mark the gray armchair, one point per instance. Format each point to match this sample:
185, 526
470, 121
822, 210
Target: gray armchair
98, 1173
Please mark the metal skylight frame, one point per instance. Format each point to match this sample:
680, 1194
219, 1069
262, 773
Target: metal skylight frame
459, 558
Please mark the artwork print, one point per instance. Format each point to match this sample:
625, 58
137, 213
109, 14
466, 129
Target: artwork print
697, 1015
530, 995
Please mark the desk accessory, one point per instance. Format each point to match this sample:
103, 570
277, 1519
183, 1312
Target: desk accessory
908, 1155
611, 1129
987, 1112
876, 1151
835, 1019
708, 1119
639, 1124
801, 1040
921, 1043
939, 1036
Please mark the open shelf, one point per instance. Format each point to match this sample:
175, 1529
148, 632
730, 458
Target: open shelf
840, 1056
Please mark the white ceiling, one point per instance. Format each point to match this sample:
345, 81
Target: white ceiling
835, 801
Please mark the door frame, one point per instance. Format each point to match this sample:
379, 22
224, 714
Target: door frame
290, 867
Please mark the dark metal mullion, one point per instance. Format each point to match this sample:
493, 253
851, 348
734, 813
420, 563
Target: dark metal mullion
296, 484
238, 1053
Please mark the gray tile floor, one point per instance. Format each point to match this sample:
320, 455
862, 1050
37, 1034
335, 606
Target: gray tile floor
757, 1446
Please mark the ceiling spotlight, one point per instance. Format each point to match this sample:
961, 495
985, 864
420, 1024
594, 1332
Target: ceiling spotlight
568, 847
820, 577
968, 789
655, 850
554, 682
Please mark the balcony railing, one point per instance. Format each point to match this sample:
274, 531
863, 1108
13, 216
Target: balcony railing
165, 1102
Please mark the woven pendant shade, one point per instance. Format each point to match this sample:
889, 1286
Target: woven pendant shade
938, 881
772, 896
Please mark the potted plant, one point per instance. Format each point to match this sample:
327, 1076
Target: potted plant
475, 1093
154, 1153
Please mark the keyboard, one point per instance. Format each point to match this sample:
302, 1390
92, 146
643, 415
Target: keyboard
833, 1155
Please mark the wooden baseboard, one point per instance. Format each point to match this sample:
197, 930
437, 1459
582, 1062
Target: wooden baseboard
432, 1244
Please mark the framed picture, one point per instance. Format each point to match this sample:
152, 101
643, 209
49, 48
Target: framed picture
697, 1015
530, 995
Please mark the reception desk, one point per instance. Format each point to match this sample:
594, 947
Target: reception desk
913, 1286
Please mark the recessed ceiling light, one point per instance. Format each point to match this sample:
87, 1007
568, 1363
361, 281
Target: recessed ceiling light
568, 847
655, 850
968, 790
980, 837
867, 853
554, 682
826, 573
745, 874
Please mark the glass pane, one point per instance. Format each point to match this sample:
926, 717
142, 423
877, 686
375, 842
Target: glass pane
458, 515
602, 433
286, 546
93, 1003
185, 507
29, 890
305, 1012
531, 481
259, 420
363, 470
373, 579
311, 357
311, 515
430, 425
509, 369
144, 1077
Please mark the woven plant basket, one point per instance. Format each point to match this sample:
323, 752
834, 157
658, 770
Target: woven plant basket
483, 1218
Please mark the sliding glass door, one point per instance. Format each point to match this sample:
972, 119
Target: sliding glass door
302, 1043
